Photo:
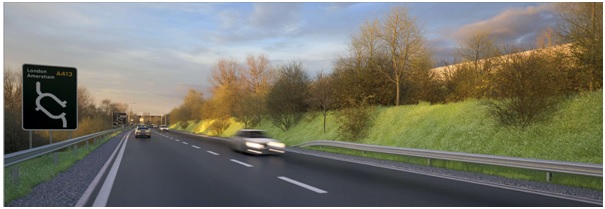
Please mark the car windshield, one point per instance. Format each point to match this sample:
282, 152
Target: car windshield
142, 128
163, 126
253, 134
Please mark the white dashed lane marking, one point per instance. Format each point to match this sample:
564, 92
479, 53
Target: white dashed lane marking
195, 146
303, 185
211, 152
185, 143
241, 163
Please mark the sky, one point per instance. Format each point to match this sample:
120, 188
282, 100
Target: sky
148, 55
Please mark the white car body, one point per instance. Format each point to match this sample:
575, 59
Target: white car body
256, 142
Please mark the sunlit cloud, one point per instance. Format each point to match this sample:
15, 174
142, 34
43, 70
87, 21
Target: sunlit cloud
512, 24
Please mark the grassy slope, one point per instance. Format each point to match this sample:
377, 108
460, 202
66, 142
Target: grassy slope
573, 133
202, 127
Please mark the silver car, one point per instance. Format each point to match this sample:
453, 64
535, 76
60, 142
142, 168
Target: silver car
256, 142
142, 131
163, 128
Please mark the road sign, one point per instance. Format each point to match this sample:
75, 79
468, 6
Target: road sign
50, 98
119, 118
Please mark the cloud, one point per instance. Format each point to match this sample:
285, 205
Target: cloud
517, 25
276, 17
230, 18
339, 5
442, 51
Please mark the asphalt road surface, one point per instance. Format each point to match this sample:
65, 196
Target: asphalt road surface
176, 169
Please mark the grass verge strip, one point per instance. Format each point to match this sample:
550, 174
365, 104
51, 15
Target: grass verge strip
42, 169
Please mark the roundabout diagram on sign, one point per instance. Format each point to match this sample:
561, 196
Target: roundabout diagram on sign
39, 107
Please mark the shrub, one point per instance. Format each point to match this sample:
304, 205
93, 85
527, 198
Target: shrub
524, 88
354, 122
219, 126
184, 124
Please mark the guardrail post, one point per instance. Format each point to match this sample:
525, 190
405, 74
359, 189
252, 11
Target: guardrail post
428, 161
50, 134
548, 176
75, 151
56, 158
15, 174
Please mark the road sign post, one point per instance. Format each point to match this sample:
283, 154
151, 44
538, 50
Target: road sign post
50, 98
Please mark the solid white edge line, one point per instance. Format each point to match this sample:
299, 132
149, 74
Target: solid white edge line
195, 146
303, 185
86, 195
211, 152
241, 163
103, 196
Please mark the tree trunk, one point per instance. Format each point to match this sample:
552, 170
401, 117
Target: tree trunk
398, 89
325, 114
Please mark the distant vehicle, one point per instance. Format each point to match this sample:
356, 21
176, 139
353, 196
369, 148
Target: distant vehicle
142, 131
163, 128
256, 142
154, 125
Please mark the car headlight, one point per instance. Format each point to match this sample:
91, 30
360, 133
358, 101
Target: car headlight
254, 145
276, 144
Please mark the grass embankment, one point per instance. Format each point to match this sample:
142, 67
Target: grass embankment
41, 169
203, 127
573, 132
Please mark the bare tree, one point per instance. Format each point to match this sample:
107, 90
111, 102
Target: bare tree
226, 73
404, 42
227, 82
367, 45
286, 100
12, 90
582, 25
547, 38
477, 49
15, 138
106, 107
86, 106
257, 79
259, 75
321, 95
192, 105
477, 52
119, 107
